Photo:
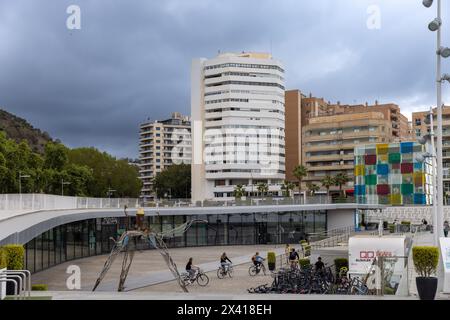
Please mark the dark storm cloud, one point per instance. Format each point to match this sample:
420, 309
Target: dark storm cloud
131, 59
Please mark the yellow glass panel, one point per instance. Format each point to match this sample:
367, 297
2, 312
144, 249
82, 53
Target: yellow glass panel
396, 199
359, 170
382, 148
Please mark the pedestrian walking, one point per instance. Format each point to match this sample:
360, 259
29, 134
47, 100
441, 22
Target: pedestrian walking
446, 228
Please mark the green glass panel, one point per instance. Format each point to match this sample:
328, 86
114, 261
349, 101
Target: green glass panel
371, 179
394, 158
407, 189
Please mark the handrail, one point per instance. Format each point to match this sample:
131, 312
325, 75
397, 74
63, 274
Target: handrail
15, 285
27, 276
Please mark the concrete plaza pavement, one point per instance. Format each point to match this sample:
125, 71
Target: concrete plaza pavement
149, 269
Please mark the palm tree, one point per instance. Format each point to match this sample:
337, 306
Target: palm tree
340, 180
300, 172
327, 182
239, 191
262, 188
286, 187
312, 188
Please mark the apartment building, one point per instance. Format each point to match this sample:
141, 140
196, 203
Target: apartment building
161, 144
238, 122
299, 108
330, 132
420, 128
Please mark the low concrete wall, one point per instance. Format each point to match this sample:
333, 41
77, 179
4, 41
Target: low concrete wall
340, 218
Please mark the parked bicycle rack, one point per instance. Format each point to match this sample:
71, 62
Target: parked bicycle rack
26, 285
15, 285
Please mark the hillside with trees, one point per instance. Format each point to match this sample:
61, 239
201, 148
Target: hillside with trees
19, 129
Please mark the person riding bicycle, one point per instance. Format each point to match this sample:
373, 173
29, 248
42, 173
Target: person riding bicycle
223, 262
320, 266
293, 258
191, 269
258, 260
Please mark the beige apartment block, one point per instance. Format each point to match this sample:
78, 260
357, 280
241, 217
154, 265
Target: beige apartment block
161, 144
322, 136
420, 128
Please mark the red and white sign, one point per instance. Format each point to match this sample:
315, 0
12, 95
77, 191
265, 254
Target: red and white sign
362, 250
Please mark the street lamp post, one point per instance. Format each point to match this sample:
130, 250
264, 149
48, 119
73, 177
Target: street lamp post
21, 176
62, 186
435, 26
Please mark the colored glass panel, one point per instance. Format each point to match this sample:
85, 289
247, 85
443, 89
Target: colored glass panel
371, 179
360, 190
359, 170
383, 189
419, 178
382, 158
406, 147
382, 169
382, 148
394, 158
370, 159
407, 168
396, 199
419, 198
407, 189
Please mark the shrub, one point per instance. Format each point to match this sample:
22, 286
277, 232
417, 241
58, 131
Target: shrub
39, 287
3, 258
339, 263
426, 259
391, 228
14, 256
389, 291
307, 249
406, 223
304, 263
271, 258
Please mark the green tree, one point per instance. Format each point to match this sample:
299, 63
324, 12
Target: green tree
174, 181
300, 172
55, 156
327, 182
239, 191
286, 187
262, 188
341, 179
312, 188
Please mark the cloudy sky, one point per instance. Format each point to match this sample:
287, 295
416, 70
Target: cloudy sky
131, 58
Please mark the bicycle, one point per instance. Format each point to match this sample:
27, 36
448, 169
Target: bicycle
256, 269
200, 277
224, 271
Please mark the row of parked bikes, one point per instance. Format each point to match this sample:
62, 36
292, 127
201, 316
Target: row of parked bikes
306, 280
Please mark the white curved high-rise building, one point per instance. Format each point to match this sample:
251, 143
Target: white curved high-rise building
237, 109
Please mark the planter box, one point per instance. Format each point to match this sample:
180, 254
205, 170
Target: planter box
2, 284
426, 287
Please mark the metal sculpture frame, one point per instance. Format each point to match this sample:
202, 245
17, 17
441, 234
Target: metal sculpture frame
127, 243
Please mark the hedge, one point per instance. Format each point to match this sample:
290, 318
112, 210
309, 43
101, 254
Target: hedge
3, 258
271, 257
304, 263
406, 223
340, 263
426, 259
39, 287
14, 256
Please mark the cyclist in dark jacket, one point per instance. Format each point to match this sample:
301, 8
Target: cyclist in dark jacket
223, 261
319, 264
